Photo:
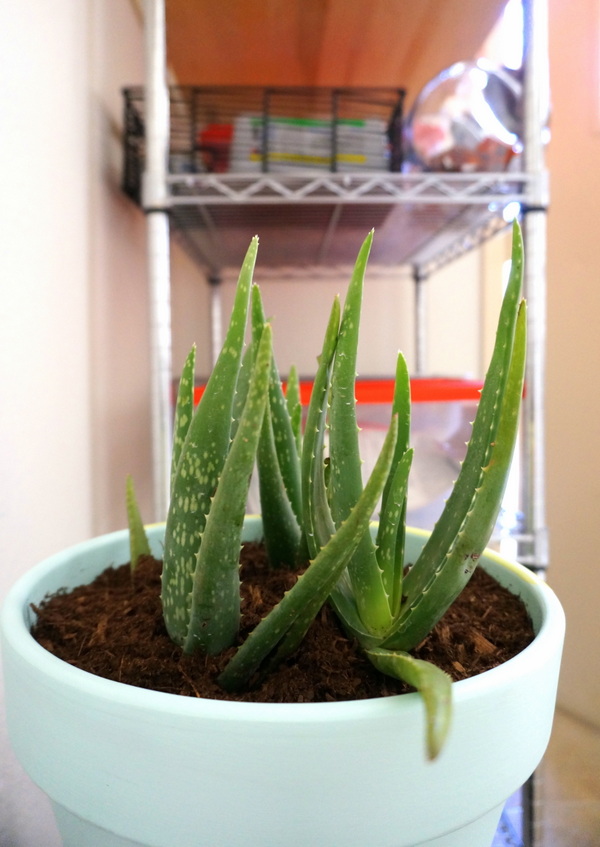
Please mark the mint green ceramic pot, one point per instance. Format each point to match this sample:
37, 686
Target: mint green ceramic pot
125, 767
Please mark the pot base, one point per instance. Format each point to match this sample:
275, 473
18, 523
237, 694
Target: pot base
74, 832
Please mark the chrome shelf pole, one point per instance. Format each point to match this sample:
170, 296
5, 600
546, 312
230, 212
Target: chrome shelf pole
156, 206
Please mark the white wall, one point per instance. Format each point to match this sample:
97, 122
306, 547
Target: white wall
120, 390
74, 413
299, 307
573, 400
455, 303
45, 372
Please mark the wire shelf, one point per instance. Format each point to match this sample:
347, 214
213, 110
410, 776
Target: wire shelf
311, 170
246, 129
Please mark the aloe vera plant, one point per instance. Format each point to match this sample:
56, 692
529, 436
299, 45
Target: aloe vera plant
313, 502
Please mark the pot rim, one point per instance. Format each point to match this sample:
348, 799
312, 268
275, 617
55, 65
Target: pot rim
14, 628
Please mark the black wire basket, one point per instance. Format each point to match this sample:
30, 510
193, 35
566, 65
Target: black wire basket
247, 129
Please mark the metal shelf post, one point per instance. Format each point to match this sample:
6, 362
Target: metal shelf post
155, 204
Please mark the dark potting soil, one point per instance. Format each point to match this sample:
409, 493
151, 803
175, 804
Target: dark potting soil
113, 628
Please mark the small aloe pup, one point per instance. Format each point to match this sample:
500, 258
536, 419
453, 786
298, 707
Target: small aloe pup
315, 507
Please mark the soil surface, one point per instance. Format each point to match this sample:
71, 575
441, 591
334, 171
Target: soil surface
113, 628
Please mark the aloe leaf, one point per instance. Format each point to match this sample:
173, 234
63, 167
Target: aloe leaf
392, 524
346, 478
433, 684
391, 527
390, 557
285, 444
200, 464
184, 411
284, 438
282, 533
345, 463
400, 408
344, 604
316, 515
294, 406
215, 606
482, 439
422, 613
138, 540
241, 390
280, 633
391, 531
278, 466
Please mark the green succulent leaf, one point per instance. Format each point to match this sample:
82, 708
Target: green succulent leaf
434, 686
345, 463
139, 545
184, 411
285, 439
280, 633
392, 523
391, 533
282, 533
451, 553
487, 417
285, 445
241, 389
346, 476
344, 603
294, 406
200, 464
316, 514
278, 466
215, 607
